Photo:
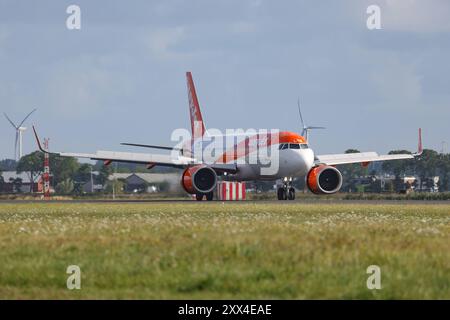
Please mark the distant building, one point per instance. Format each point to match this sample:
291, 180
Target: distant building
147, 182
14, 182
429, 184
405, 184
88, 187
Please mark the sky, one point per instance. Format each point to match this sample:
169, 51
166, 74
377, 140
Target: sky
121, 77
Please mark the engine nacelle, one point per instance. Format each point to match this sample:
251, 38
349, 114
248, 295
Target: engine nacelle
199, 179
324, 179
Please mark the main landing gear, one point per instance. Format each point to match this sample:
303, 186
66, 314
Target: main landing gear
209, 196
287, 191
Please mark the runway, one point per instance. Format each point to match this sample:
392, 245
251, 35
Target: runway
192, 202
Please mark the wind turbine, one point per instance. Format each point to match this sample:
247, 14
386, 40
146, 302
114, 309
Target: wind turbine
305, 128
18, 145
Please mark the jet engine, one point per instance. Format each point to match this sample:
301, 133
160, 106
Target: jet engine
324, 179
199, 179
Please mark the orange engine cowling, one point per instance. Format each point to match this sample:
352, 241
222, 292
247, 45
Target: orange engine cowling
199, 179
324, 179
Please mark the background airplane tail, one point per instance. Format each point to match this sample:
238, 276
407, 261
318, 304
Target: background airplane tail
197, 124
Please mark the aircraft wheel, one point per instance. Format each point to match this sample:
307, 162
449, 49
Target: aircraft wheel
199, 197
291, 194
282, 194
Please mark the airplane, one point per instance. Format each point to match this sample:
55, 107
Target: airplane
294, 157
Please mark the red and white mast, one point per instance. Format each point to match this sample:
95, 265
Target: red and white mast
46, 175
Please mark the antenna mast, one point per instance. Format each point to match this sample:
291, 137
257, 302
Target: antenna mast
46, 175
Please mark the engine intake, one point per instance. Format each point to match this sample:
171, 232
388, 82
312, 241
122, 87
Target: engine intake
199, 179
324, 179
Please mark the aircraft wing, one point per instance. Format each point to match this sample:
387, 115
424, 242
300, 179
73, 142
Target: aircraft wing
151, 160
363, 157
366, 157
141, 158
131, 157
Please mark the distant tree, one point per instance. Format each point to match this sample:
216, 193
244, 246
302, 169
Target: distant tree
32, 164
104, 173
81, 177
2, 182
389, 186
351, 171
399, 167
426, 164
117, 185
8, 165
65, 187
62, 168
83, 173
443, 167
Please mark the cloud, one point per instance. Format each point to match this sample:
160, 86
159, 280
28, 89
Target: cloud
397, 82
242, 27
161, 42
416, 15
255, 3
77, 87
247, 57
4, 36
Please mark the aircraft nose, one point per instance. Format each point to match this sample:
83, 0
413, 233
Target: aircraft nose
306, 160
309, 158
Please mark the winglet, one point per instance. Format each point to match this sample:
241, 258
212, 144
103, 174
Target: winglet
419, 146
38, 141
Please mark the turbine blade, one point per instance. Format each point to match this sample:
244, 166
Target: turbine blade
300, 113
25, 119
10, 121
316, 128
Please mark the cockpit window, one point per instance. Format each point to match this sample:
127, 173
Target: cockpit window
284, 146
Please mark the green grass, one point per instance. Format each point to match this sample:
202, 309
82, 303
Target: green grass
231, 250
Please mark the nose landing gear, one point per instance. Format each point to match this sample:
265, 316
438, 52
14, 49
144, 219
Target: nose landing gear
287, 191
282, 194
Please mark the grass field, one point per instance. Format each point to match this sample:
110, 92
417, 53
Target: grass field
231, 250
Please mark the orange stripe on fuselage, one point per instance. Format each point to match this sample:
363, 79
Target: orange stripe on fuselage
251, 143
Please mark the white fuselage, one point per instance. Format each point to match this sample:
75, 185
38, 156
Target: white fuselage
291, 163
273, 160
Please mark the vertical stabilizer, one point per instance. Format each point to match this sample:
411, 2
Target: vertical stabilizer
197, 124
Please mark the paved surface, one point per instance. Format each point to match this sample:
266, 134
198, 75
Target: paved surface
188, 201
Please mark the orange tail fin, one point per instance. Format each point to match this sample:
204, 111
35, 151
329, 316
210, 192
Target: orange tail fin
197, 124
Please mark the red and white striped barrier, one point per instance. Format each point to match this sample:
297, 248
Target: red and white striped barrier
230, 190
